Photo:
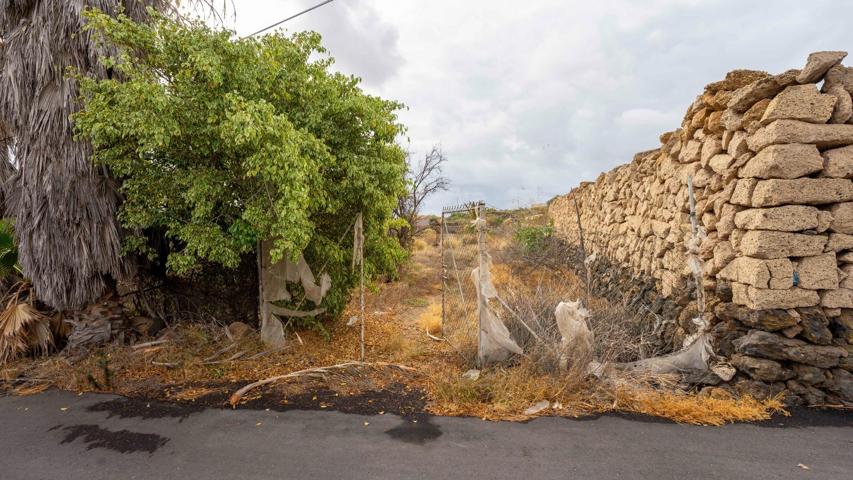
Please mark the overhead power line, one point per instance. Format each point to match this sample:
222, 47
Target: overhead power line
303, 12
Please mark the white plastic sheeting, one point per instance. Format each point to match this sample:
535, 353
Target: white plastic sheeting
495, 342
695, 357
577, 338
274, 278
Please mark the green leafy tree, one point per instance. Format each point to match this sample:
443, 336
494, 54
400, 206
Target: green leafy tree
221, 143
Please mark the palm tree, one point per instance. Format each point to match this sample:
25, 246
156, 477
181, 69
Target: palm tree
64, 209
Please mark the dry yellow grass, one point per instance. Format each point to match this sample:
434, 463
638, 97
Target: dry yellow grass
419, 245
504, 394
430, 319
698, 409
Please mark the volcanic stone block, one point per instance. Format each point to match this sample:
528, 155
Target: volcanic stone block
742, 193
776, 347
838, 298
824, 220
818, 64
766, 299
720, 163
800, 102
777, 273
838, 162
846, 272
839, 241
841, 383
815, 326
770, 244
745, 97
761, 368
789, 218
771, 320
818, 272
794, 131
808, 374
783, 161
691, 152
838, 75
843, 105
842, 217
810, 191
807, 393
710, 147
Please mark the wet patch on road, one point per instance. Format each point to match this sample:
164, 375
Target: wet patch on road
122, 441
417, 430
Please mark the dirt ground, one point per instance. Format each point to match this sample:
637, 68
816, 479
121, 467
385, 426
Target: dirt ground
408, 372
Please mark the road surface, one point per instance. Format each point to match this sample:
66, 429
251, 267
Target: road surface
60, 435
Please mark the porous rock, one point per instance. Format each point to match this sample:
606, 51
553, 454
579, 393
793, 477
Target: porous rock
818, 64
776, 347
800, 102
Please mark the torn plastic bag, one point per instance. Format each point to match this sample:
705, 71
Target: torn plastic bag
577, 338
495, 342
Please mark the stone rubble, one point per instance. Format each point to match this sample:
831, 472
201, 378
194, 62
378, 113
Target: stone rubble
771, 161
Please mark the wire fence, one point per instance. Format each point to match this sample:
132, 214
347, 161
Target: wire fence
531, 272
460, 254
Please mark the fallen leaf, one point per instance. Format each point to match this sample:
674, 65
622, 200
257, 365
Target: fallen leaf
804, 467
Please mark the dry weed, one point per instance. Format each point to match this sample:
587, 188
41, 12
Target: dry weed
430, 319
698, 409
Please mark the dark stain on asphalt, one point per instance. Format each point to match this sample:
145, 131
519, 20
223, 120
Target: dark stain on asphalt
122, 441
144, 409
418, 430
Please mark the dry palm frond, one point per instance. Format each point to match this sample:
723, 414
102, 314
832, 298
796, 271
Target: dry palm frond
68, 235
23, 329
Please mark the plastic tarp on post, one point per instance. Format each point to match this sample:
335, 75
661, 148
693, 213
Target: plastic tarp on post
495, 343
273, 278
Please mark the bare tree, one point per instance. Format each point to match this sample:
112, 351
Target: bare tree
425, 179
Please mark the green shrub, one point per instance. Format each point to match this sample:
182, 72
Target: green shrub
531, 239
221, 143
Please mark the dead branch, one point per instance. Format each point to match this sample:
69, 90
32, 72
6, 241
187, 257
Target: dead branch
317, 371
150, 344
437, 339
166, 364
229, 359
220, 352
286, 312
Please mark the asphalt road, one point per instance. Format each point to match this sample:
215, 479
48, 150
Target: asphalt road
59, 435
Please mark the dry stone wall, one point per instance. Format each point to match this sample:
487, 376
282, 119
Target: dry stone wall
771, 162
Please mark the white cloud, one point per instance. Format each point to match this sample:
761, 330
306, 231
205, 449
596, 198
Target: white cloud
529, 98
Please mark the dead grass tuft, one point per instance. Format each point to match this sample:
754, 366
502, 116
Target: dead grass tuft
699, 409
420, 245
430, 319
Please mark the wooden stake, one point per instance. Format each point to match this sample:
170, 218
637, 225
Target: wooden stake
481, 299
360, 232
583, 247
443, 272
694, 224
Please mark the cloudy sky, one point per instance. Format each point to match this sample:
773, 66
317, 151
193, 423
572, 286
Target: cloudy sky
527, 98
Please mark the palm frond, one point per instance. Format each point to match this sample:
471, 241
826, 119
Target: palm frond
69, 241
23, 329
